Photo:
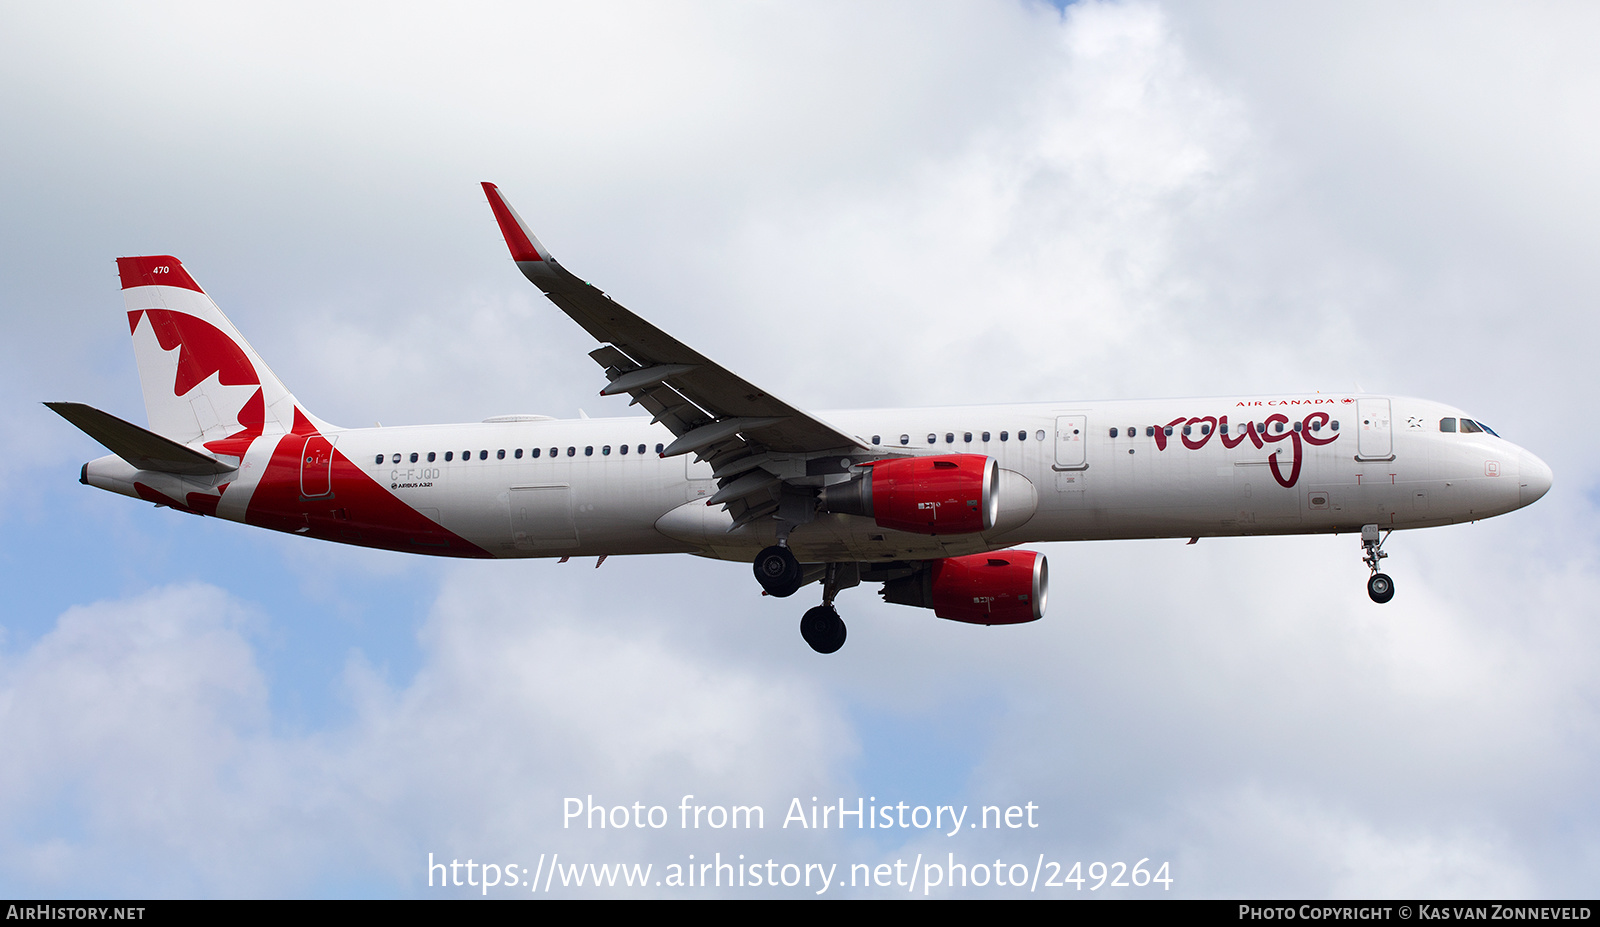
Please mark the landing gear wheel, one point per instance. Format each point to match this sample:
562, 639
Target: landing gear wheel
778, 571
1380, 587
823, 629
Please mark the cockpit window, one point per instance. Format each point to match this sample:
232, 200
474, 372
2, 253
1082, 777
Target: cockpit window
1470, 427
1447, 425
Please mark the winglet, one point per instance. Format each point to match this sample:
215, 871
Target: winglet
524, 247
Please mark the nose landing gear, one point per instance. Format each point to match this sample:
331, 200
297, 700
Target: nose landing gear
1380, 587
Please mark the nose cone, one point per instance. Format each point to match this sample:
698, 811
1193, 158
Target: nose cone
1534, 480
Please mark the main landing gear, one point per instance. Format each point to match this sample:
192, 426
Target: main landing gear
1380, 587
781, 575
822, 627
778, 571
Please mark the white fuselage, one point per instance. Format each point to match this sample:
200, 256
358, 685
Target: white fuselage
543, 488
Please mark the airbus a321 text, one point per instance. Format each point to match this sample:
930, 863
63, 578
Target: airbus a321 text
929, 502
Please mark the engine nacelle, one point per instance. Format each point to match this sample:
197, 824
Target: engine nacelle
1003, 587
951, 494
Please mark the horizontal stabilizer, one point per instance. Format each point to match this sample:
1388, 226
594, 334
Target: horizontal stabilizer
143, 449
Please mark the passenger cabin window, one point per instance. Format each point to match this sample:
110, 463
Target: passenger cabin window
1113, 432
659, 448
1005, 436
1022, 436
484, 455
623, 449
986, 436
932, 438
572, 452
1447, 425
905, 439
500, 454
431, 456
949, 437
414, 457
877, 439
449, 456
555, 452
379, 460
534, 452
517, 453
605, 451
967, 437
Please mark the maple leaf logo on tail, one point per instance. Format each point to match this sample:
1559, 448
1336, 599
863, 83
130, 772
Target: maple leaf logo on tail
203, 383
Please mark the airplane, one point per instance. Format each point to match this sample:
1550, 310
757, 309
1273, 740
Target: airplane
931, 503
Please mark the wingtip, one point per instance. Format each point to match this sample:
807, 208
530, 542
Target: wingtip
524, 247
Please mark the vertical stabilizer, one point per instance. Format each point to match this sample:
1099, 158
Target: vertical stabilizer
202, 381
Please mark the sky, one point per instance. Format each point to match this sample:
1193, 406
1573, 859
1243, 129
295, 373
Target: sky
854, 205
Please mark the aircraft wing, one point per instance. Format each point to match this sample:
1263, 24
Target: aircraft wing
714, 412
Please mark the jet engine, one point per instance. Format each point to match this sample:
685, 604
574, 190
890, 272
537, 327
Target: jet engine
952, 494
1003, 587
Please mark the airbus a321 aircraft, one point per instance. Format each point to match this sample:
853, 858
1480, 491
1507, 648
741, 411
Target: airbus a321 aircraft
929, 502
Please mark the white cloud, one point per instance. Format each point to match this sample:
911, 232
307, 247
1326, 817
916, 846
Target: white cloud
142, 758
120, 725
1271, 841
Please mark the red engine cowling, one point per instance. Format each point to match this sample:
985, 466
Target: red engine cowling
1004, 587
951, 494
